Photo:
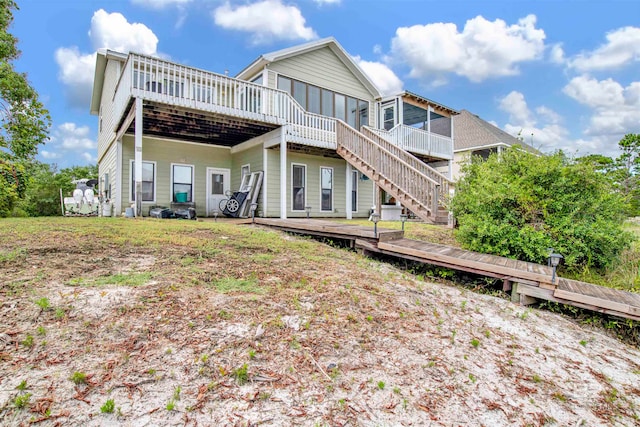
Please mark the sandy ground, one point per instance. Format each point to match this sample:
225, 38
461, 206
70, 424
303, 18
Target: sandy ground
356, 343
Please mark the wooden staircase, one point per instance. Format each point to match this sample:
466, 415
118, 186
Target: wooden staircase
394, 170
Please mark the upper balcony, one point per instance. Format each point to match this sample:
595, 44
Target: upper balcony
201, 106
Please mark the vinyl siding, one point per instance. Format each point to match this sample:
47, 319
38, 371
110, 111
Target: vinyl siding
108, 165
109, 121
164, 153
313, 165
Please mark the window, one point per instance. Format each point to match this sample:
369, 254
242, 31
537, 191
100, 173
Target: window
354, 191
363, 113
298, 183
148, 181
244, 171
284, 84
389, 116
182, 183
300, 93
352, 113
327, 103
313, 105
326, 189
339, 108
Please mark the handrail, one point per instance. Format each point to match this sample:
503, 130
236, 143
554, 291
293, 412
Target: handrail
156, 79
412, 160
418, 140
411, 181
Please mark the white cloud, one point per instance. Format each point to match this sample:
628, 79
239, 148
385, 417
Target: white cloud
595, 93
621, 48
108, 30
322, 2
69, 139
482, 50
381, 75
160, 4
266, 20
542, 130
557, 54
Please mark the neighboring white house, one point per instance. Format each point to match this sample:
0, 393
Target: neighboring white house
477, 137
306, 116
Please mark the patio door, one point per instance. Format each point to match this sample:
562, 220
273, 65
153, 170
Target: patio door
218, 183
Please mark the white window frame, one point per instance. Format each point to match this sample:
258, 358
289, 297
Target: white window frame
332, 189
155, 180
193, 182
244, 167
303, 165
355, 178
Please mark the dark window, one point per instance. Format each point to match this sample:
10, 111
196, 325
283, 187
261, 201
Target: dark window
298, 187
148, 181
326, 188
182, 183
352, 107
314, 100
354, 191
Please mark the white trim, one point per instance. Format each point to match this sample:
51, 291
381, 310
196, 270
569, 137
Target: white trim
155, 180
247, 165
117, 179
481, 147
306, 188
283, 172
193, 183
332, 189
265, 207
226, 173
138, 155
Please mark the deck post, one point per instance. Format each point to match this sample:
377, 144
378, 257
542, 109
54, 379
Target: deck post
283, 172
349, 188
138, 157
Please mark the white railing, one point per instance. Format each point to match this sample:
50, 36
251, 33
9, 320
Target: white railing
407, 180
443, 182
419, 141
158, 80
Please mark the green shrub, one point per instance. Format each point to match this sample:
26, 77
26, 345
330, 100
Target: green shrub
518, 205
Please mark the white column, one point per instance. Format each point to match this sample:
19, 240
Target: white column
138, 157
451, 169
265, 180
283, 172
118, 182
349, 188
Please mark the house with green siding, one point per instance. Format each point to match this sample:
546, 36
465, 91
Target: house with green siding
307, 117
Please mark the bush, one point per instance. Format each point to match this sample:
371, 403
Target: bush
518, 205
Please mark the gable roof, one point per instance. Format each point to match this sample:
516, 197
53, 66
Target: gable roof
471, 132
330, 42
98, 77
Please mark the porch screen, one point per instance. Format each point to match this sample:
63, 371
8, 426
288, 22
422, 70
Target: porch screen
182, 183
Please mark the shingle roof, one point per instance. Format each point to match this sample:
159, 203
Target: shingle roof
470, 131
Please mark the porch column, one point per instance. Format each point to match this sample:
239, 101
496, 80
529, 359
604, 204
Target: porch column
118, 180
283, 172
429, 126
138, 157
349, 188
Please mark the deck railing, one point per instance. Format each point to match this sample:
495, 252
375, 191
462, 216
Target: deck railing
155, 79
409, 180
411, 160
419, 141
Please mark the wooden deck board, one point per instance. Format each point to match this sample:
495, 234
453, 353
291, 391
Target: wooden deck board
536, 278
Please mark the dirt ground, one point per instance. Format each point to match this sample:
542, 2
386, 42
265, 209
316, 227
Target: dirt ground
318, 336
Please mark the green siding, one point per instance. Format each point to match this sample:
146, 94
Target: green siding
164, 153
313, 165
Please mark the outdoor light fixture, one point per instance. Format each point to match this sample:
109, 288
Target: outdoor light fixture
375, 217
554, 260
215, 215
308, 209
253, 208
403, 218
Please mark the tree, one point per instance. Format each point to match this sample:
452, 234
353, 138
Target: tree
24, 121
42, 196
518, 205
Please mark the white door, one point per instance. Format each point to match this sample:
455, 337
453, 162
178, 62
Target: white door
218, 183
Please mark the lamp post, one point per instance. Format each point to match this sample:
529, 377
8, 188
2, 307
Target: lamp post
375, 217
253, 208
308, 209
403, 218
554, 260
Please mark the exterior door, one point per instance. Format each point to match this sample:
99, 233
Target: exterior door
388, 116
218, 183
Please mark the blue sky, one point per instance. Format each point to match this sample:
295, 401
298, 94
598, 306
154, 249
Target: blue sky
565, 74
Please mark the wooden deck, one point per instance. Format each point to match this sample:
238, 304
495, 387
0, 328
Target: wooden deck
527, 281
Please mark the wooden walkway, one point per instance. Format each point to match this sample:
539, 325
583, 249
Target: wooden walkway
528, 281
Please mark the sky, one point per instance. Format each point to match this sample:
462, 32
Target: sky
562, 74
